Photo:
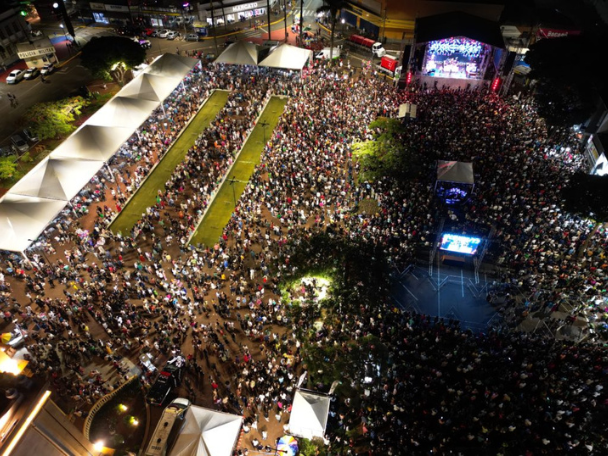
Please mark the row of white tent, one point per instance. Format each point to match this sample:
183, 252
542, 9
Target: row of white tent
285, 56
208, 432
37, 199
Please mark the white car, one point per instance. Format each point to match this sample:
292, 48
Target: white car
172, 35
163, 33
15, 76
31, 73
47, 69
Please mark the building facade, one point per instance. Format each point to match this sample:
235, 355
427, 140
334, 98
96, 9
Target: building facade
13, 30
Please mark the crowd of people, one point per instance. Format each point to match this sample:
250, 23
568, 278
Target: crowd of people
94, 294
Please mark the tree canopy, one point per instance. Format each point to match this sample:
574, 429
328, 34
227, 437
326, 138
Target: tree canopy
111, 56
566, 82
55, 119
386, 154
585, 194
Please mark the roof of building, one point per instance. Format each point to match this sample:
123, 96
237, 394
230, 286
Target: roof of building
447, 25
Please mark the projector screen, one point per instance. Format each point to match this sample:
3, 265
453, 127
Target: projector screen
459, 244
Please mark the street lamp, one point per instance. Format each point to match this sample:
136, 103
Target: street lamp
64, 32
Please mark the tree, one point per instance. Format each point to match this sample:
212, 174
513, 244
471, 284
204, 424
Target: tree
8, 167
386, 154
333, 7
585, 195
111, 56
55, 119
566, 84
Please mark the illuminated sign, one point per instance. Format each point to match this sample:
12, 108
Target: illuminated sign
36, 52
246, 6
462, 46
121, 8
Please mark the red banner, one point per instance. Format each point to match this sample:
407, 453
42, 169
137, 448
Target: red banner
555, 33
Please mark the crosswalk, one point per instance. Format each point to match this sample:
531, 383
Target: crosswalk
308, 12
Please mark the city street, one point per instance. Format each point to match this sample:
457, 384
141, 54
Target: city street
71, 75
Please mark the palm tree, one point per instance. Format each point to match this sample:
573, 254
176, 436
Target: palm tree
334, 7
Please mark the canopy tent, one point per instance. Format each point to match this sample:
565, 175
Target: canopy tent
96, 142
207, 433
57, 178
23, 218
171, 66
309, 413
149, 87
454, 171
124, 112
93, 142
287, 57
457, 23
240, 53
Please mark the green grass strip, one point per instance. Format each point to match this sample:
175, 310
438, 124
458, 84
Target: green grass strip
146, 194
218, 215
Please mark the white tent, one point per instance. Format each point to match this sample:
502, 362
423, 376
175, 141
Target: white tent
309, 413
287, 57
171, 66
123, 112
23, 218
240, 53
455, 171
207, 433
93, 142
57, 178
149, 87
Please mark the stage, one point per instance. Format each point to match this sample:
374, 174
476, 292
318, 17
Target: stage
453, 83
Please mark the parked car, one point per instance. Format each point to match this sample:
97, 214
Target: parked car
31, 73
47, 68
29, 135
143, 43
163, 33
19, 143
149, 31
168, 378
172, 35
15, 76
192, 37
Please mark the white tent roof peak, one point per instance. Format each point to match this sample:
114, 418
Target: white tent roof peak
123, 112
57, 178
309, 413
171, 65
207, 433
23, 218
455, 171
149, 87
93, 142
240, 53
287, 57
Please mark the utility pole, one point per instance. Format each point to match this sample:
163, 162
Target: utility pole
268, 11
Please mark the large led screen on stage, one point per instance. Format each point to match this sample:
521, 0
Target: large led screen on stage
459, 244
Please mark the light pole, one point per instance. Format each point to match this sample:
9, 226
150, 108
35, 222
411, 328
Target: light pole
264, 124
64, 32
232, 182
